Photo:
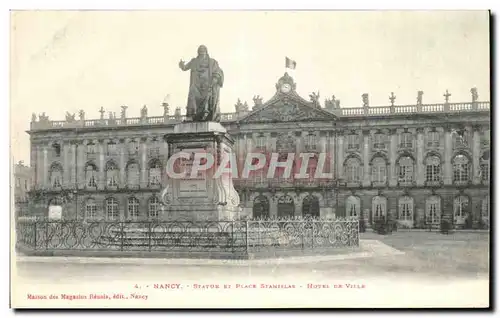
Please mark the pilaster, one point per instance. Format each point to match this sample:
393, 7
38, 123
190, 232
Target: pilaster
393, 180
420, 177
448, 152
366, 158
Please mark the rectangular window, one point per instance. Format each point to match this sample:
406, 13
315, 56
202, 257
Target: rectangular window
432, 173
91, 211
352, 142
260, 143
406, 140
91, 149
433, 139
485, 172
405, 211
133, 211
154, 151
379, 141
112, 149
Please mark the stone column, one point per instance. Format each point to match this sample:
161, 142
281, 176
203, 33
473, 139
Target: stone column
81, 158
164, 153
142, 153
340, 154
39, 166
448, 152
393, 180
73, 167
420, 169
66, 166
46, 181
102, 168
270, 142
123, 164
322, 137
366, 158
476, 153
331, 153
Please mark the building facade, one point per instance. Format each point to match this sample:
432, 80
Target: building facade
22, 184
415, 164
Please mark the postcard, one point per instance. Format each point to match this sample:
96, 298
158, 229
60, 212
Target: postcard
250, 159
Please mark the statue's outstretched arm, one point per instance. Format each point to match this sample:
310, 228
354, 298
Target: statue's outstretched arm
184, 66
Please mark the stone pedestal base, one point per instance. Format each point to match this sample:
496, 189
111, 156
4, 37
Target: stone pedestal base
210, 195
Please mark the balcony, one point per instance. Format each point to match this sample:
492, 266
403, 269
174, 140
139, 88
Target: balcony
379, 184
461, 183
379, 146
433, 183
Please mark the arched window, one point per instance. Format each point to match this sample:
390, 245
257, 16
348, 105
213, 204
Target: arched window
379, 170
111, 174
112, 209
260, 207
90, 209
406, 208
56, 175
154, 207
133, 208
286, 206
91, 175
484, 163
353, 206
433, 210
461, 168
155, 173
379, 207
485, 210
405, 169
433, 169
133, 174
353, 170
460, 209
310, 207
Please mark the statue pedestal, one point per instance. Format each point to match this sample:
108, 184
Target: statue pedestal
210, 195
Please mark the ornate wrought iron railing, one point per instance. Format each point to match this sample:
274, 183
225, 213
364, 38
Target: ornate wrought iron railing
187, 236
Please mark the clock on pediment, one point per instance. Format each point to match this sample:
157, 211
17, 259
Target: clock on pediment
285, 88
285, 84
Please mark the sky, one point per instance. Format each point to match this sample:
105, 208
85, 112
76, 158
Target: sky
70, 60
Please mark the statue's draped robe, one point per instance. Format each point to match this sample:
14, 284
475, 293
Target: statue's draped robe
203, 98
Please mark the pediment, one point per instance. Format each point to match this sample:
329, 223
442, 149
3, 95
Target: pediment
287, 111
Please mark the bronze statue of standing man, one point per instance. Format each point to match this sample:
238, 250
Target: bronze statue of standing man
206, 80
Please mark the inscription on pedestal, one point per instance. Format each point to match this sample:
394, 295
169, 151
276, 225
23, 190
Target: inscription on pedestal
193, 188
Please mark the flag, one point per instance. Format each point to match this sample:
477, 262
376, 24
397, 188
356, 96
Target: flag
290, 63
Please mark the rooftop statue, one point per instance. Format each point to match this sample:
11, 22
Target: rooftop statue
206, 80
